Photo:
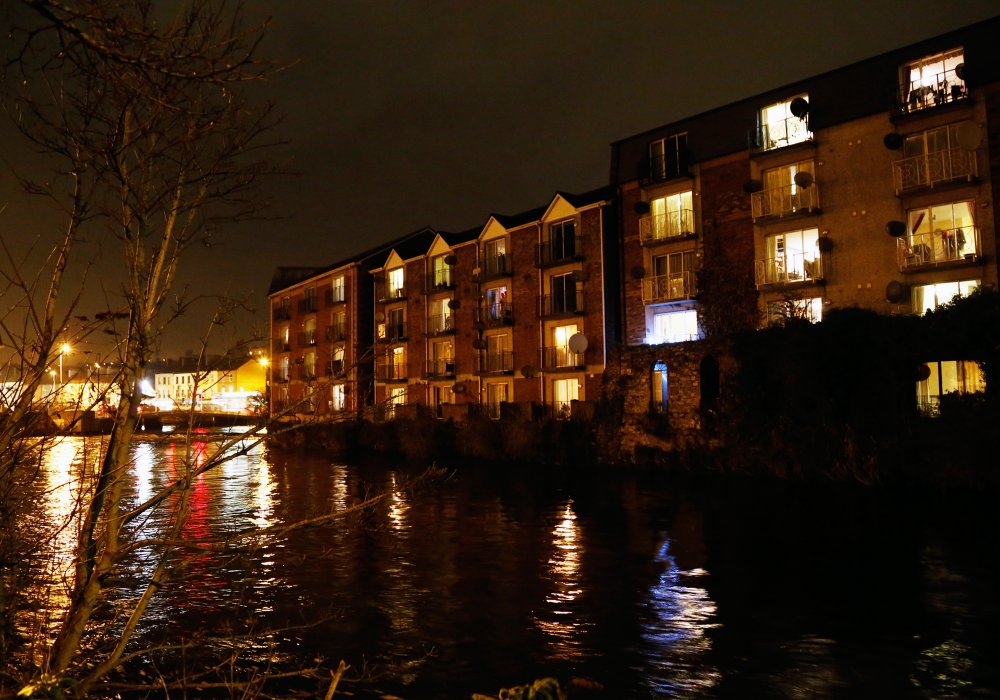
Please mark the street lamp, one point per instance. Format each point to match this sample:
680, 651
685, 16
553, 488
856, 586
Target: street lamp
65, 348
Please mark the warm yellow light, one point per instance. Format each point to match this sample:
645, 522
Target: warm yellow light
264, 362
52, 372
65, 349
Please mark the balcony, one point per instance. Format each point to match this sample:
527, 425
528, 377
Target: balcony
282, 313
671, 287
932, 169
307, 305
942, 247
561, 357
663, 227
335, 368
567, 304
280, 345
497, 362
307, 338
558, 251
440, 368
439, 280
305, 373
390, 371
932, 91
785, 201
494, 266
492, 315
439, 324
280, 376
779, 134
391, 332
664, 166
336, 332
334, 295
385, 293
790, 268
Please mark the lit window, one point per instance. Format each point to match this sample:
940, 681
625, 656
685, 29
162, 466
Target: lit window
792, 256
496, 394
778, 312
394, 282
564, 392
782, 124
933, 80
396, 397
441, 271
338, 397
669, 216
659, 388
559, 354
495, 257
948, 377
675, 327
787, 189
941, 233
930, 296
337, 290
673, 278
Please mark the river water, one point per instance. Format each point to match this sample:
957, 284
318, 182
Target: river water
631, 585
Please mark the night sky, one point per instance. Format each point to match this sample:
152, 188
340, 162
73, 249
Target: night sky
406, 114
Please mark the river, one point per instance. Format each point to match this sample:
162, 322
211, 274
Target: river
633, 585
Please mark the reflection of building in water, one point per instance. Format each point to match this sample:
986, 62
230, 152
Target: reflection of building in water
559, 620
675, 626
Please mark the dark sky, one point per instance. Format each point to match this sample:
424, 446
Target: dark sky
405, 114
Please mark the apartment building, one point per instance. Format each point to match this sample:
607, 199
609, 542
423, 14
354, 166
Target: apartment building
870, 186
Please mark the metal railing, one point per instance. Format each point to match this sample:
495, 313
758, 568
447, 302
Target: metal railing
307, 338
557, 304
385, 292
442, 367
440, 279
391, 332
282, 313
335, 295
558, 250
931, 91
784, 132
671, 287
390, 371
671, 224
307, 305
560, 357
498, 314
666, 166
440, 323
496, 362
280, 345
930, 169
336, 331
938, 247
496, 265
784, 201
335, 368
788, 268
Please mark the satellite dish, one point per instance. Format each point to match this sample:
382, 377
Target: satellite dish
638, 271
380, 316
450, 260
453, 303
896, 229
892, 141
804, 179
528, 371
960, 71
923, 372
577, 343
458, 387
753, 186
895, 292
799, 107
969, 135
825, 244
641, 207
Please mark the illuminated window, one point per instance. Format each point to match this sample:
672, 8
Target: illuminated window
778, 312
338, 398
933, 80
309, 365
673, 278
659, 394
337, 290
309, 331
337, 361
779, 126
669, 216
948, 377
396, 397
930, 296
394, 283
441, 395
941, 233
675, 326
441, 318
787, 189
497, 304
559, 354
496, 394
442, 358
441, 271
792, 256
564, 392
495, 257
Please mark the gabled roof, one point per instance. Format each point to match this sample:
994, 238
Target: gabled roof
600, 194
510, 221
454, 239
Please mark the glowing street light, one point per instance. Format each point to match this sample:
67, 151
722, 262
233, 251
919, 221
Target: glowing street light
64, 349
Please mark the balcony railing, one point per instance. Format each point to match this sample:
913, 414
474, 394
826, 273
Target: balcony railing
440, 368
498, 314
440, 323
784, 201
938, 247
280, 345
570, 303
305, 373
391, 332
559, 250
385, 292
671, 287
307, 305
664, 166
335, 368
497, 265
440, 279
336, 331
496, 362
280, 376
307, 338
784, 132
561, 357
931, 91
931, 169
335, 295
282, 313
390, 371
672, 224
788, 269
